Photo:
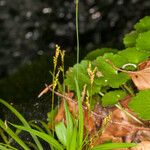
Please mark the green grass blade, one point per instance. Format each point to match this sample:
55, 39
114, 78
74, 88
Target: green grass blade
74, 137
13, 135
61, 132
69, 123
110, 146
81, 122
45, 126
32, 145
3, 136
7, 146
22, 119
4, 148
49, 139
33, 125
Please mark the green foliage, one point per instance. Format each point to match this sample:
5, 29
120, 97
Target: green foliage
108, 77
142, 41
69, 123
99, 52
81, 122
143, 25
112, 97
22, 119
141, 104
48, 138
130, 39
101, 73
71, 134
82, 73
110, 146
13, 135
133, 56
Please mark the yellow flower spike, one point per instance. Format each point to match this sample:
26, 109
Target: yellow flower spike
62, 53
106, 120
91, 73
55, 58
57, 51
56, 79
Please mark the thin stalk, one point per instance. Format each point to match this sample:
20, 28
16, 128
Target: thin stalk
77, 32
128, 89
128, 114
3, 136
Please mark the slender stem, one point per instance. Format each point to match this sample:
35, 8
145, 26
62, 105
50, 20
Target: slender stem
128, 89
128, 114
77, 32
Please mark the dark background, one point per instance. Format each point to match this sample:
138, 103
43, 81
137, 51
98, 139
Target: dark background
29, 30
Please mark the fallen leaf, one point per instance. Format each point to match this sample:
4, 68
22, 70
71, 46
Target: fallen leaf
61, 113
144, 145
141, 78
144, 65
45, 90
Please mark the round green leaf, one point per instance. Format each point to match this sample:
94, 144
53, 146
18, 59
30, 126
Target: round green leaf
143, 41
140, 104
112, 97
143, 24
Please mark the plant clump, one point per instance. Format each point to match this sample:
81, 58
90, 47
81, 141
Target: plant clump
104, 100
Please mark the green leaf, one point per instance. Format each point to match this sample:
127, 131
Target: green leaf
112, 97
110, 146
130, 39
74, 137
99, 52
51, 115
22, 119
132, 55
13, 135
83, 78
140, 104
142, 42
81, 121
104, 67
47, 138
115, 81
61, 133
69, 123
116, 59
82, 73
143, 24
4, 146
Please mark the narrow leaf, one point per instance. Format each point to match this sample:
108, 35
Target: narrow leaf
110, 146
113, 97
49, 139
22, 119
81, 121
61, 132
13, 135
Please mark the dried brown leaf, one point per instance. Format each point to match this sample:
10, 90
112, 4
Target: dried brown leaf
144, 145
141, 78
